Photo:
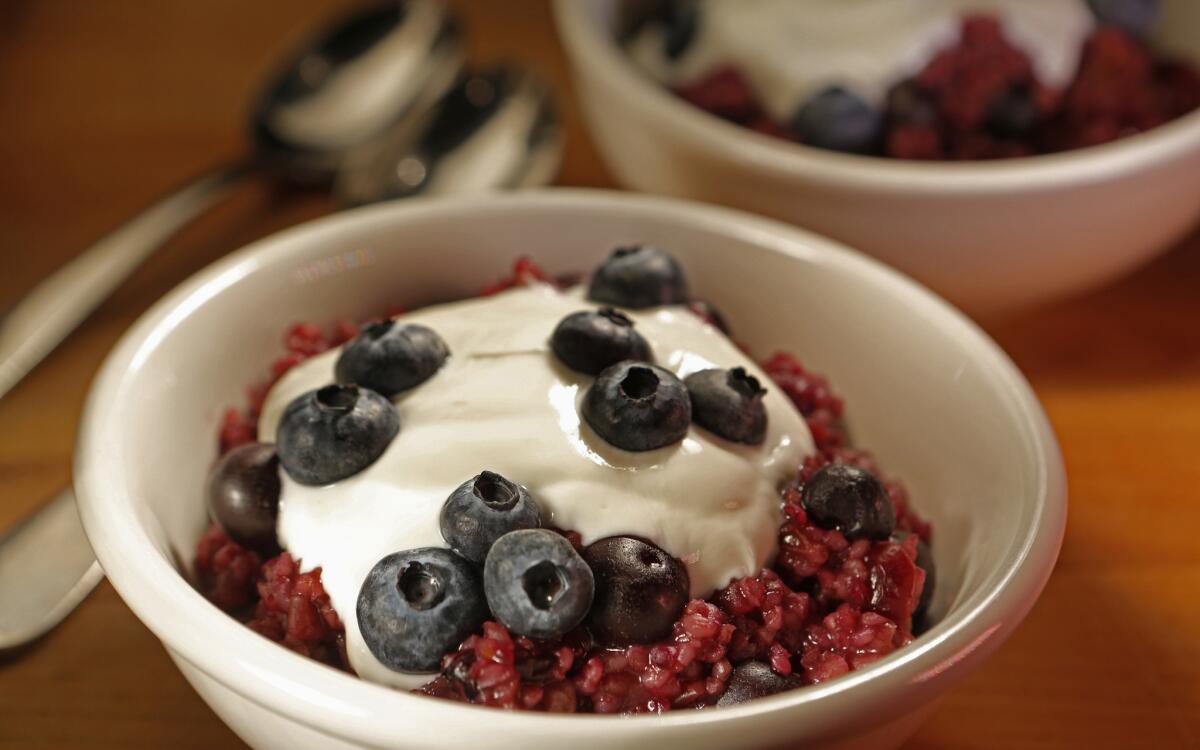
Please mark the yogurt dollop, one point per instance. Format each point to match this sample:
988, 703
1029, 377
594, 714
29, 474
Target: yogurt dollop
790, 50
503, 402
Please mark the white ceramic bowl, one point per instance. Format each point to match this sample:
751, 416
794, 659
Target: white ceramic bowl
939, 403
990, 236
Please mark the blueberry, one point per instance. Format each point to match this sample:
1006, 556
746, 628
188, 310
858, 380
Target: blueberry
850, 500
638, 276
838, 120
334, 432
536, 583
754, 679
638, 407
709, 314
483, 509
1014, 113
640, 591
390, 358
924, 562
1137, 17
243, 495
416, 606
682, 19
588, 341
729, 403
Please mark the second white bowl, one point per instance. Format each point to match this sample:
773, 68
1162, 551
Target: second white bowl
990, 236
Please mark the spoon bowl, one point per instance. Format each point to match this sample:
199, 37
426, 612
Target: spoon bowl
494, 129
358, 81
354, 84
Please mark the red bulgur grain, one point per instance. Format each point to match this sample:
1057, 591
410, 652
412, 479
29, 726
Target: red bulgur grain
1121, 87
827, 606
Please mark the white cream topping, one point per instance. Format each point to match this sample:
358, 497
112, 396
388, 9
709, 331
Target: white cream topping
503, 402
790, 50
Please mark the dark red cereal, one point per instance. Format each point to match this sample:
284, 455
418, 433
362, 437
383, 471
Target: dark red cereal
294, 611
237, 428
726, 94
821, 408
825, 607
980, 98
273, 598
306, 339
494, 669
524, 273
768, 618
848, 639
344, 330
226, 572
687, 670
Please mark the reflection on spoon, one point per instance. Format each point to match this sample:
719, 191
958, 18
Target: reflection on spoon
494, 129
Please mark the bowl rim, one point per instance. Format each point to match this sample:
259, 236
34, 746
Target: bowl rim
334, 702
589, 48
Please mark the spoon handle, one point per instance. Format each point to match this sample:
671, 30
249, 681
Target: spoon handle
49, 312
46, 569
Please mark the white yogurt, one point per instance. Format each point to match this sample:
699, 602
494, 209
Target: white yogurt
790, 50
502, 402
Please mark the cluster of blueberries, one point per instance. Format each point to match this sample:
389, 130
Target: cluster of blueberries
415, 606
334, 432
633, 404
839, 120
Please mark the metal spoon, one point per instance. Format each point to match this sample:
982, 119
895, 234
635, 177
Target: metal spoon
359, 80
353, 84
495, 129
46, 569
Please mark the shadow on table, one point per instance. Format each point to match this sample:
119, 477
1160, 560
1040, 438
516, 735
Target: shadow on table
1143, 327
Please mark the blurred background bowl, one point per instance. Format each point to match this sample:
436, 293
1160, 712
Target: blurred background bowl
990, 236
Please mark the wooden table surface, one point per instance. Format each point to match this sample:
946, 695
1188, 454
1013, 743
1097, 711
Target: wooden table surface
103, 105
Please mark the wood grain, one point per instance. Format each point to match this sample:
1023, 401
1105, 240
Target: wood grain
106, 104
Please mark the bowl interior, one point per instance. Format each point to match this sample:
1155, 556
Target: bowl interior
938, 403
1178, 33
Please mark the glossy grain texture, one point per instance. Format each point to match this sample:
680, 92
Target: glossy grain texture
108, 104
